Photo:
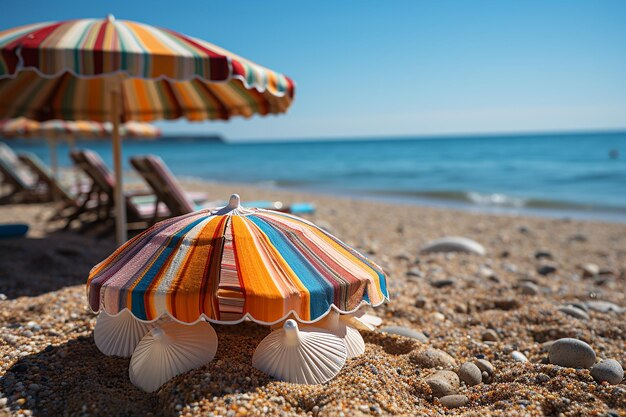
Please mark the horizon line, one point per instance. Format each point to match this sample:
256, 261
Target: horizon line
417, 136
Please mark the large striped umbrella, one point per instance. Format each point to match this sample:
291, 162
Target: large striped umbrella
114, 70
235, 263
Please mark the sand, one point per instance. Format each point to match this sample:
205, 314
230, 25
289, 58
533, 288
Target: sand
50, 366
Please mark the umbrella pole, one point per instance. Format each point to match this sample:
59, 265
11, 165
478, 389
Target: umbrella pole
120, 203
54, 164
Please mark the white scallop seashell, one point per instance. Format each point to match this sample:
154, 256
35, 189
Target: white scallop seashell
169, 350
119, 335
308, 356
355, 345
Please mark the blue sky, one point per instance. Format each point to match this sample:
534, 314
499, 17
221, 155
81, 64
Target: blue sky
378, 68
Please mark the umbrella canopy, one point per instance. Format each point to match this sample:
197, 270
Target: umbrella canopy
115, 70
62, 70
64, 129
232, 263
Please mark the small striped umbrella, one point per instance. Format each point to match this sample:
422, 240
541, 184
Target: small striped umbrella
116, 70
157, 292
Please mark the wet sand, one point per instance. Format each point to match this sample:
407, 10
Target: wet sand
50, 366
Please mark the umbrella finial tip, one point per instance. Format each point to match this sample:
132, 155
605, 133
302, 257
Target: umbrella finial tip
110, 17
234, 201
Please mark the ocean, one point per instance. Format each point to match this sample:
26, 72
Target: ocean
580, 175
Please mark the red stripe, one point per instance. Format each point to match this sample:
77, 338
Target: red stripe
30, 43
218, 64
98, 53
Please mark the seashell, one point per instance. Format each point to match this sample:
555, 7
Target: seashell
169, 350
119, 335
355, 345
308, 356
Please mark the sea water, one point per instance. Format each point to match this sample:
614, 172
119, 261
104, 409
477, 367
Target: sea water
576, 175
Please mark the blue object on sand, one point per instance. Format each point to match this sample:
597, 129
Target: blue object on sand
13, 230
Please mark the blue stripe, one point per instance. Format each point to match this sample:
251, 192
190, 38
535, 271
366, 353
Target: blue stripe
321, 291
138, 306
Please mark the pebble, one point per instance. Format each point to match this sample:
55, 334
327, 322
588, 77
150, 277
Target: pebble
528, 288
490, 335
414, 272
470, 374
519, 356
547, 269
485, 366
453, 401
443, 383
574, 312
543, 254
406, 332
486, 272
421, 302
454, 244
506, 304
432, 358
440, 283
571, 353
608, 370
603, 306
590, 270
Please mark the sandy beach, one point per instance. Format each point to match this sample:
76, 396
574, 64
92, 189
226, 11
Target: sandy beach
466, 305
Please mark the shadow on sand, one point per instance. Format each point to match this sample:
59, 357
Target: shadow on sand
33, 266
75, 378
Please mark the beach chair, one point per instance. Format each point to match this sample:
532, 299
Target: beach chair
168, 190
70, 198
141, 207
22, 187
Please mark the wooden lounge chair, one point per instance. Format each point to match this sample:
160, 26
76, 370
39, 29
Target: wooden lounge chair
168, 190
70, 198
166, 187
22, 187
141, 207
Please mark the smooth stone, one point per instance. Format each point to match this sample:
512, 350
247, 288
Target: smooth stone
420, 302
485, 366
603, 306
608, 370
443, 383
574, 312
432, 358
571, 353
486, 272
543, 254
440, 283
454, 244
547, 269
406, 332
490, 335
581, 306
470, 374
528, 288
506, 304
590, 270
453, 401
519, 356
414, 272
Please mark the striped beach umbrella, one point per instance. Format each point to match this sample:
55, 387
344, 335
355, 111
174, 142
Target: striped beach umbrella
235, 263
54, 130
118, 71
156, 293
